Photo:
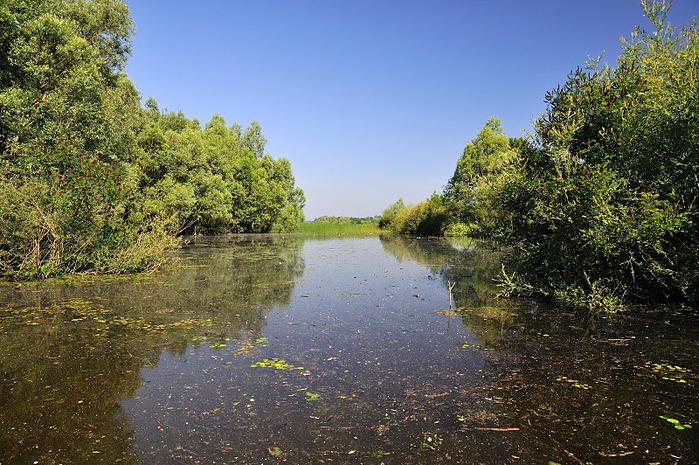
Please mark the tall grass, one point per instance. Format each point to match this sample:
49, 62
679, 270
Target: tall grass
335, 229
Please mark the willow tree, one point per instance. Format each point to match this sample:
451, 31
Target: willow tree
61, 76
606, 209
483, 158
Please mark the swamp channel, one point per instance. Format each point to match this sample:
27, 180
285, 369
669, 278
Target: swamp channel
284, 349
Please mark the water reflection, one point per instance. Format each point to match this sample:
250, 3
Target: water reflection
373, 372
471, 265
71, 351
278, 349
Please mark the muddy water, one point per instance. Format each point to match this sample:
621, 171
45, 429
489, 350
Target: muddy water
279, 349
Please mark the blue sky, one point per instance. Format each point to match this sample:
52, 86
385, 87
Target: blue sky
371, 100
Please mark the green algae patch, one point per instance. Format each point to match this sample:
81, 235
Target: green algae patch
93, 316
667, 372
276, 363
677, 424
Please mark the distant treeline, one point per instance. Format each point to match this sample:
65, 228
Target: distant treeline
347, 220
91, 180
598, 206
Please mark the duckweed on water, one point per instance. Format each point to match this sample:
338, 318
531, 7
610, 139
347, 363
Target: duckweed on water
667, 372
676, 423
573, 382
91, 314
220, 345
276, 363
247, 347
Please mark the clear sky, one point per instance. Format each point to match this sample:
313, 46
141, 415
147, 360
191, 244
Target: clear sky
371, 100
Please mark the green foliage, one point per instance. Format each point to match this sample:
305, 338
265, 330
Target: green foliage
604, 209
121, 180
337, 229
66, 211
458, 229
340, 226
389, 214
600, 207
62, 75
214, 180
465, 207
427, 218
347, 220
483, 158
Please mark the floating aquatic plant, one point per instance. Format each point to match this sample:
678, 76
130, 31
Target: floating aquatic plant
276, 363
431, 441
669, 372
676, 423
574, 382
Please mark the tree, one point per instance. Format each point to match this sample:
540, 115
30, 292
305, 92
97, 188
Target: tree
253, 139
605, 209
90, 180
389, 214
212, 180
482, 158
61, 75
425, 219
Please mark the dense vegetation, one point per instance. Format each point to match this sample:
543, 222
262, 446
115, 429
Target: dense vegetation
90, 179
340, 226
599, 206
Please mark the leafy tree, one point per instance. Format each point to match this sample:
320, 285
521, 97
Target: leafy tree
426, 218
214, 180
605, 209
482, 158
90, 180
389, 214
61, 75
253, 140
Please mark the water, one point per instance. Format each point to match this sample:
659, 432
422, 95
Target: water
266, 349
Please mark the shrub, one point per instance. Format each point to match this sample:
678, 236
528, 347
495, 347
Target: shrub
62, 210
427, 218
606, 208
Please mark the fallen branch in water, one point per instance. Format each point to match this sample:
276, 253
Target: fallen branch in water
622, 454
570, 454
496, 429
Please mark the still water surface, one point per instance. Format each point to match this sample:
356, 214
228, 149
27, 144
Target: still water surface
265, 349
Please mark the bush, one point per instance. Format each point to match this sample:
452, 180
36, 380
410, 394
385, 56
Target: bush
427, 218
605, 209
65, 211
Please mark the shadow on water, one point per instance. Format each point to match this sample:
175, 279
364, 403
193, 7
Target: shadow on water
273, 349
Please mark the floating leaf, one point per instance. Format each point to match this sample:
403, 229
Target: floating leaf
574, 382
276, 363
676, 423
